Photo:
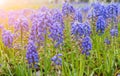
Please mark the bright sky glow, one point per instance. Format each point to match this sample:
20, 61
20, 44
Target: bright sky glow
16, 4
2, 2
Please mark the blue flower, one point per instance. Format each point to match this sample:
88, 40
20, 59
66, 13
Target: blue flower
67, 9
112, 10
87, 29
57, 16
80, 29
100, 24
107, 41
77, 29
78, 15
56, 29
114, 31
85, 9
119, 10
56, 33
7, 38
86, 45
32, 55
21, 24
98, 9
41, 22
56, 59
12, 15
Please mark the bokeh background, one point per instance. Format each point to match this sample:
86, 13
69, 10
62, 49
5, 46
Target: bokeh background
19, 4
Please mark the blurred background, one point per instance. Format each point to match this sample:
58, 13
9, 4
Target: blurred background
19, 4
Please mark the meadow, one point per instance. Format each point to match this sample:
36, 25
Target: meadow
66, 40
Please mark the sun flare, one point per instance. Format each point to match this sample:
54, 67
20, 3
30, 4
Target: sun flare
2, 2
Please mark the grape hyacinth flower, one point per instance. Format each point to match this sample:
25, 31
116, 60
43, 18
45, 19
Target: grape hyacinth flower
41, 21
81, 29
56, 29
67, 9
21, 24
98, 9
85, 9
86, 45
78, 15
112, 10
56, 59
107, 41
87, 29
77, 29
12, 15
57, 16
114, 31
32, 55
7, 38
100, 24
56, 33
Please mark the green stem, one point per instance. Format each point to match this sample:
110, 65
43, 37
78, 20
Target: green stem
21, 37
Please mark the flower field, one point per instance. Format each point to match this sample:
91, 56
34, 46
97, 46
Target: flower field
70, 40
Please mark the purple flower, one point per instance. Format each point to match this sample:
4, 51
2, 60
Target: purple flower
7, 38
57, 16
100, 24
86, 45
56, 59
81, 29
112, 10
12, 15
56, 29
78, 15
98, 9
32, 55
87, 29
41, 22
114, 31
77, 29
21, 24
85, 9
119, 10
67, 9
107, 41
56, 33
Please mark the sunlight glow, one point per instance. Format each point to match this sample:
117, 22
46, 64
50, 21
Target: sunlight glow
2, 2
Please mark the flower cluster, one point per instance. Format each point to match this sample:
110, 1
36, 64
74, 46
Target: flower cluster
77, 29
98, 9
81, 29
86, 45
56, 59
107, 41
85, 9
114, 31
32, 55
57, 16
12, 15
41, 21
67, 9
100, 24
87, 29
21, 24
7, 38
56, 29
112, 10
78, 15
